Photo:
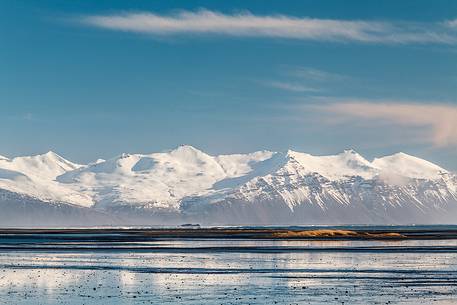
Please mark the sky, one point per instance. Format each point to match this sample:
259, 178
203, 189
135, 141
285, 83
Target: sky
94, 79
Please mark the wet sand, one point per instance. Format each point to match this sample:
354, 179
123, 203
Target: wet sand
329, 265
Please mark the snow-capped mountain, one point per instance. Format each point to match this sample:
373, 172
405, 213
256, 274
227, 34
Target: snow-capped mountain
35, 176
186, 184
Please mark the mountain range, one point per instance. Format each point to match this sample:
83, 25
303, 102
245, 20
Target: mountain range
186, 185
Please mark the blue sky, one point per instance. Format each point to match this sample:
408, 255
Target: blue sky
93, 79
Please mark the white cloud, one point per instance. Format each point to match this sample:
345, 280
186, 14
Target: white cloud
295, 87
438, 120
280, 26
305, 79
452, 23
316, 74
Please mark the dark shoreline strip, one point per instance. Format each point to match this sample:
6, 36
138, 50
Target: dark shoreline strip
231, 233
230, 249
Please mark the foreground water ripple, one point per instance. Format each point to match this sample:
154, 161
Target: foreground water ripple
40, 270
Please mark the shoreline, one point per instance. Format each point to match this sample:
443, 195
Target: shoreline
261, 233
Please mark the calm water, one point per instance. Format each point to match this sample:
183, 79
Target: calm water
225, 271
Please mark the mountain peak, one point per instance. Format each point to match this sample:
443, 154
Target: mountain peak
53, 155
124, 155
44, 166
186, 147
350, 151
409, 166
291, 153
188, 151
185, 181
45, 158
400, 154
334, 167
354, 159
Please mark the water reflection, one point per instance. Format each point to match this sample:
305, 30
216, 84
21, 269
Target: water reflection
254, 277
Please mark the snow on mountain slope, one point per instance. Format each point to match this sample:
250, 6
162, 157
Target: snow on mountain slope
158, 180
294, 178
35, 176
45, 166
300, 177
267, 186
409, 166
241, 164
345, 188
346, 164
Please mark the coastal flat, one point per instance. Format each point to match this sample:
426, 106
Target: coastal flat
255, 265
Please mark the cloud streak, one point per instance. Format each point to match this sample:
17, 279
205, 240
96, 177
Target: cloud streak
452, 24
294, 87
439, 121
246, 24
316, 75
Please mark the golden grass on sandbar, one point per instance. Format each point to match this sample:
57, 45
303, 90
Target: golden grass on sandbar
327, 233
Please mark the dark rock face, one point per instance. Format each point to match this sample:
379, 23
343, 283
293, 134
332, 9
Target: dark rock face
281, 198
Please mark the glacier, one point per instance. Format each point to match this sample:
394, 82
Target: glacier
261, 188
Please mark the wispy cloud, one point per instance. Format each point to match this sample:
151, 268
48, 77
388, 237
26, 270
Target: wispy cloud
452, 23
438, 120
305, 79
275, 26
295, 87
315, 74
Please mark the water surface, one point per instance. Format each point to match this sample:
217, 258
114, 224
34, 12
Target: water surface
114, 267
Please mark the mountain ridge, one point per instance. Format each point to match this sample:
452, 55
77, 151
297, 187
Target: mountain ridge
186, 183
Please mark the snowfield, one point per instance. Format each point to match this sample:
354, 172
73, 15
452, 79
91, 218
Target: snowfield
188, 185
